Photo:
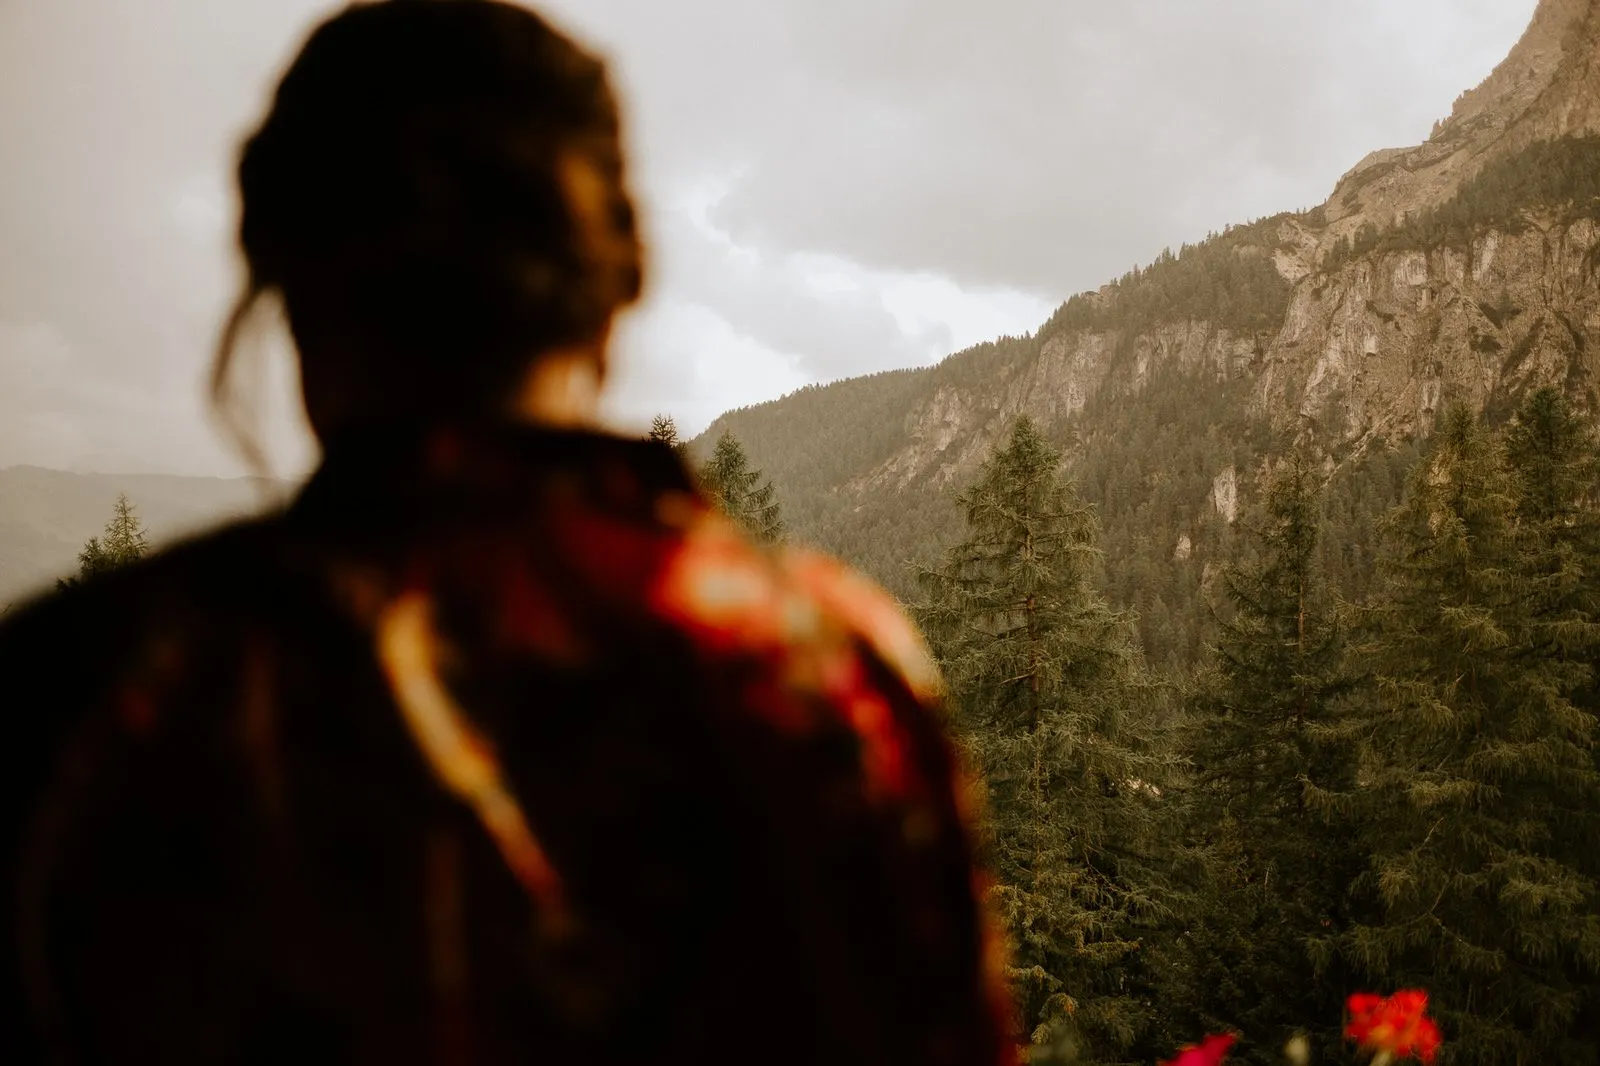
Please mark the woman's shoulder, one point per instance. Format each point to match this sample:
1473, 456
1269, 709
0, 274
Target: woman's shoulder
737, 596
869, 612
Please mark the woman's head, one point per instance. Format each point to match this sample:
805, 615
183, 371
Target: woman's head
438, 198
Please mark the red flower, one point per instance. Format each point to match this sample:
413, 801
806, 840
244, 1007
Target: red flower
1398, 1025
1209, 1052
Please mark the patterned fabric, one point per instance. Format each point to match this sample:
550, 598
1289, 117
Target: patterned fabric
496, 746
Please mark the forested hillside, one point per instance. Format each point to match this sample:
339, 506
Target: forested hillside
1169, 388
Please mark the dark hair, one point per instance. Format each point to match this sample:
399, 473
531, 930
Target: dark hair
437, 195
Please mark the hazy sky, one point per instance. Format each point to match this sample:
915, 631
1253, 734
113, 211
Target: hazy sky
831, 187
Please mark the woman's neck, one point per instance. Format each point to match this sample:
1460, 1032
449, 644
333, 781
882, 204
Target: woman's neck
562, 389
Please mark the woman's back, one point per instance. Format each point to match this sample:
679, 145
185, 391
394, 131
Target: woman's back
498, 746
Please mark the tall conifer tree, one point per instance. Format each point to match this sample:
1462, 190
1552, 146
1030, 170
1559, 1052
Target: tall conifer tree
1555, 468
1554, 464
1553, 461
1480, 758
1048, 699
740, 491
1274, 760
121, 543
663, 430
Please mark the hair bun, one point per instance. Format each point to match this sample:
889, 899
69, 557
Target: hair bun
443, 179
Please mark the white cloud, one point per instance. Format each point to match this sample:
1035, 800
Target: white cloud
683, 359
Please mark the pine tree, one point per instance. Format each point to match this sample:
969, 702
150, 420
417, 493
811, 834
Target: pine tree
740, 491
122, 543
1555, 468
1481, 766
1048, 699
663, 430
1274, 757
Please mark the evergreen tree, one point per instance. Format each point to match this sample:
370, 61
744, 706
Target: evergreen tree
663, 430
1555, 467
1273, 757
1049, 702
122, 543
1482, 774
740, 492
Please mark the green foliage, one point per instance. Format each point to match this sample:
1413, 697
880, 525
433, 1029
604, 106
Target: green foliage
1551, 452
1358, 495
1229, 280
1151, 479
1480, 788
796, 442
1051, 705
740, 492
1273, 760
663, 430
1417, 809
122, 543
1560, 176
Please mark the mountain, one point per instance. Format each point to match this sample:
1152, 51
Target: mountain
1463, 268
47, 515
1547, 88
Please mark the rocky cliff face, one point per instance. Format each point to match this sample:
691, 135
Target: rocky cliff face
1372, 350
948, 432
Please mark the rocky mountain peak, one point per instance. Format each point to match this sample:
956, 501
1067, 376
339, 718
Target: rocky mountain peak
1547, 87
1560, 39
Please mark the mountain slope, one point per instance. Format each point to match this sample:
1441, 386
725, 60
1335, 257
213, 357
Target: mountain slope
1464, 268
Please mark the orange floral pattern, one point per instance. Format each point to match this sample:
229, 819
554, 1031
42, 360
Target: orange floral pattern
810, 617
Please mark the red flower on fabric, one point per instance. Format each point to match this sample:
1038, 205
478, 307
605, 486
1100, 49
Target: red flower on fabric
1397, 1026
1209, 1052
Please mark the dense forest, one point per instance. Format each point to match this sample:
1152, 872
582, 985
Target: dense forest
1228, 279
1382, 772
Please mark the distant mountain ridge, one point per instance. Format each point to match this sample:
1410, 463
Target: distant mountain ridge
1466, 268
47, 515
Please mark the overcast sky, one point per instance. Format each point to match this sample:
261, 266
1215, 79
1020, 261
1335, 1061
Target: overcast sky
831, 187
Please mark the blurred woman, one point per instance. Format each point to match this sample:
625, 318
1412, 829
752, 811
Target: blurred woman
498, 744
